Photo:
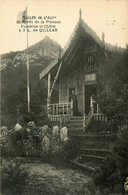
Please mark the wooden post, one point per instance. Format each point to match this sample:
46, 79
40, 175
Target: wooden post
63, 109
71, 108
67, 108
57, 109
49, 84
92, 104
84, 119
53, 109
55, 79
48, 98
83, 100
97, 108
28, 79
84, 122
60, 122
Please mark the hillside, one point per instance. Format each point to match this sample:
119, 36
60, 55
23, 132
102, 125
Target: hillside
13, 64
14, 70
41, 53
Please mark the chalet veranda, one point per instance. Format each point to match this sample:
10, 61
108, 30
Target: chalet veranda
74, 75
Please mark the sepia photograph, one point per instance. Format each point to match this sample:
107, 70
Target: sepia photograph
64, 97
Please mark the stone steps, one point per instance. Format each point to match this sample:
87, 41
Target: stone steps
76, 121
76, 124
85, 166
93, 148
98, 145
89, 158
77, 118
95, 152
75, 130
84, 137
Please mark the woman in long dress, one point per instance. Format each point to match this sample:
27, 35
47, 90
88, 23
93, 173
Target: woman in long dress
73, 97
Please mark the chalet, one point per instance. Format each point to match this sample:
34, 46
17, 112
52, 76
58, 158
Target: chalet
75, 70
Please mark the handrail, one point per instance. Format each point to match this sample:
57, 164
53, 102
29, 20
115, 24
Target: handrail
90, 114
87, 119
60, 104
60, 109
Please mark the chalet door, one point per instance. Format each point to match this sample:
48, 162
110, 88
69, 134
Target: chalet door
89, 91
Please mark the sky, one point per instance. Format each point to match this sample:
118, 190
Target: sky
108, 16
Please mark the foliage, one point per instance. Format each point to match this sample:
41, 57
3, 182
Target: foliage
39, 142
15, 106
4, 145
13, 178
114, 170
13, 83
47, 179
102, 128
14, 95
111, 95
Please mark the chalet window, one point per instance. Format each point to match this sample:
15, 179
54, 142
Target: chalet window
90, 61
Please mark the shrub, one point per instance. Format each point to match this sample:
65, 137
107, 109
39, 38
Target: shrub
13, 178
114, 170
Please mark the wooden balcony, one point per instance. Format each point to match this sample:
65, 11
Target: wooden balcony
60, 111
63, 112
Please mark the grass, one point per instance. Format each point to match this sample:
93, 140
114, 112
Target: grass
47, 179
50, 180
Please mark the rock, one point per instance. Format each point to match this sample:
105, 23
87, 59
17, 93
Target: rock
43, 130
4, 131
55, 131
45, 127
17, 127
45, 144
64, 134
28, 130
31, 124
31, 128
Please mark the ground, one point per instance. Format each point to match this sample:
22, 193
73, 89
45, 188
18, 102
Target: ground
46, 179
58, 181
50, 179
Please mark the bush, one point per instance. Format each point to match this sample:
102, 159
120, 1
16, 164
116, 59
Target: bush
39, 142
114, 170
13, 178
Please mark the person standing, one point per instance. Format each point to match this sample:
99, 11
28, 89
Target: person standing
73, 97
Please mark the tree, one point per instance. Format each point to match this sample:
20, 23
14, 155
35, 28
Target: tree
111, 93
112, 97
113, 172
15, 105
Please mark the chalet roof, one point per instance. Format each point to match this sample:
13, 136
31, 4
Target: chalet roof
48, 68
92, 33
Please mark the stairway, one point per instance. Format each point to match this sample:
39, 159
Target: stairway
92, 148
75, 125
